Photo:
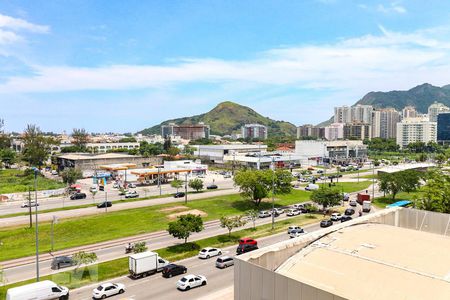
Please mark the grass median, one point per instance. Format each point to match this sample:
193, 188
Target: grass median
19, 241
16, 181
119, 267
349, 187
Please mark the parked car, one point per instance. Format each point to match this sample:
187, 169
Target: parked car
179, 195
349, 212
59, 262
31, 203
191, 281
248, 241
319, 171
211, 187
311, 187
93, 189
244, 248
278, 210
224, 262
173, 270
77, 196
326, 223
108, 289
132, 194
336, 216
293, 212
227, 176
346, 218
297, 232
292, 228
131, 185
209, 252
264, 214
104, 204
346, 196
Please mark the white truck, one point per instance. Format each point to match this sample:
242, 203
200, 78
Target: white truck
311, 187
366, 206
44, 290
145, 263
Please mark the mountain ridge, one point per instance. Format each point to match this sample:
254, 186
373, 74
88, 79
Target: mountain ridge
228, 117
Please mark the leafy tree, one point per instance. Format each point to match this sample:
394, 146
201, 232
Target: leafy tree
393, 183
185, 225
129, 139
37, 147
326, 197
257, 184
173, 151
422, 157
80, 138
176, 184
167, 144
83, 258
140, 247
5, 141
435, 194
7, 157
71, 175
252, 215
188, 150
382, 145
440, 159
146, 149
196, 184
231, 222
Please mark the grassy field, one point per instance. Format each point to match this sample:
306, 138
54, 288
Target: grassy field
381, 202
349, 187
113, 225
119, 267
14, 181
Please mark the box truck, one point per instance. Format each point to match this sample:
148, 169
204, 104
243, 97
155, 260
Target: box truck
145, 263
362, 197
44, 290
366, 206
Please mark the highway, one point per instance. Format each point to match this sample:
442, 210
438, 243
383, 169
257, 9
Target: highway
158, 287
110, 194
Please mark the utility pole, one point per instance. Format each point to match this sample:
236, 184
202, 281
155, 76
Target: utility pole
29, 207
185, 188
159, 181
273, 192
37, 224
54, 221
106, 201
373, 181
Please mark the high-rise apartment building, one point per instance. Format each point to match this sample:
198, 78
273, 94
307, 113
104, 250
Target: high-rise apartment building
389, 118
304, 130
334, 131
409, 112
443, 127
357, 131
254, 131
418, 129
187, 132
435, 109
354, 114
376, 123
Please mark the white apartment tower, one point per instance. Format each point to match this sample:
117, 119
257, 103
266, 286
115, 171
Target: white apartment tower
418, 129
376, 120
334, 131
435, 109
389, 118
409, 112
354, 114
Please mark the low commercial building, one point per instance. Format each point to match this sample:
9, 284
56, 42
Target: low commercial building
89, 163
264, 161
325, 151
395, 253
216, 153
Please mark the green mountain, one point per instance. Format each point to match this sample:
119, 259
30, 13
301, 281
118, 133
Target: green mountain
421, 97
228, 117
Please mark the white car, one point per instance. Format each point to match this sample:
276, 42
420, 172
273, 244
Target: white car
293, 212
191, 281
292, 228
279, 210
32, 203
131, 185
297, 232
94, 189
336, 216
108, 289
264, 214
116, 185
54, 172
209, 252
297, 206
132, 194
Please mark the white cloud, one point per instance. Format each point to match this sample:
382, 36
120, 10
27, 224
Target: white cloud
368, 61
9, 37
393, 7
16, 24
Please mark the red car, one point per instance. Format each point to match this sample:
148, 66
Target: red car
247, 241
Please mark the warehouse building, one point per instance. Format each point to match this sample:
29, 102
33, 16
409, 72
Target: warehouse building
396, 253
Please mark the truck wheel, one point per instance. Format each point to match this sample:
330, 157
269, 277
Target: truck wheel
144, 275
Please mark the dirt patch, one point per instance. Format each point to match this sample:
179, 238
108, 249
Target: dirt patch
173, 208
192, 211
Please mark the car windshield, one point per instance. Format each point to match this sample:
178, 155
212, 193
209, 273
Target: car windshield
100, 288
183, 279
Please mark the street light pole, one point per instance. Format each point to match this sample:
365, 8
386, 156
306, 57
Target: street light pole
185, 188
373, 181
37, 224
29, 207
54, 221
273, 192
159, 181
106, 201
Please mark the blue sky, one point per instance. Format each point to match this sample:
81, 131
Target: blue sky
126, 65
